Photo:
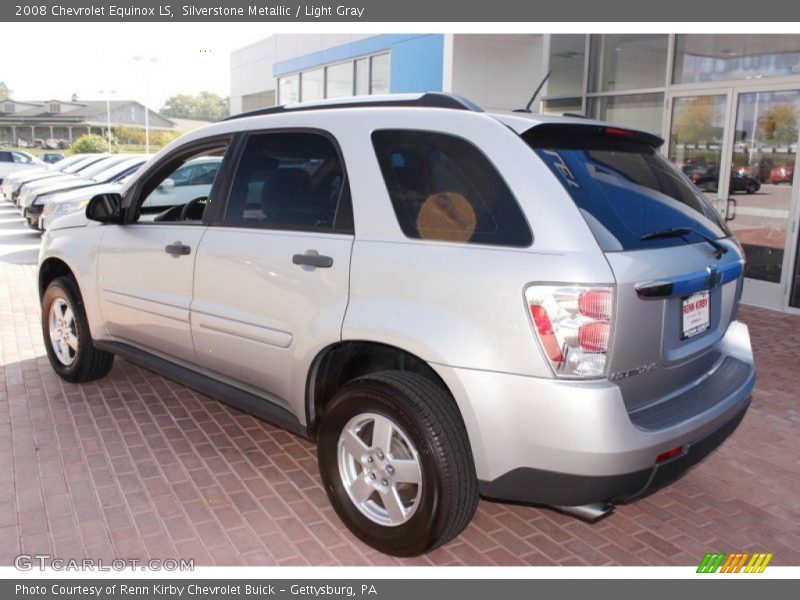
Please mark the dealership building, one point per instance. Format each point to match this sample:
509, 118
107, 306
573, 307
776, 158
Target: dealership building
728, 107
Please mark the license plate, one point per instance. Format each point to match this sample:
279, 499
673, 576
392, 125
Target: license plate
696, 314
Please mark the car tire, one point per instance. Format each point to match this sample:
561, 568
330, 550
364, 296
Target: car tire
751, 188
427, 432
67, 338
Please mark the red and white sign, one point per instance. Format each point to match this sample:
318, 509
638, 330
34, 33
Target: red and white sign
696, 314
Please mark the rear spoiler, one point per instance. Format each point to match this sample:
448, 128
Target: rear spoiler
580, 136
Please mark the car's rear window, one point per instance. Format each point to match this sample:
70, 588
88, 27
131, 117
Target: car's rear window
443, 188
624, 187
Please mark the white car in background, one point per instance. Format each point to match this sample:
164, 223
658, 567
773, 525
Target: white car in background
191, 181
14, 184
29, 191
12, 161
113, 174
65, 203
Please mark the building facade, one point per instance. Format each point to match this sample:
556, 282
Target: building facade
27, 120
728, 107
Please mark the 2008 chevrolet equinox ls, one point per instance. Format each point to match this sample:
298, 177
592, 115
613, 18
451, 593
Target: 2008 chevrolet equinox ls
452, 303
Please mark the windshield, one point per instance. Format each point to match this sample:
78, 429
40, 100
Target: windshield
624, 188
116, 169
82, 164
101, 166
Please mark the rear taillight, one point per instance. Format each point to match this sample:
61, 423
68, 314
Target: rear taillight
573, 325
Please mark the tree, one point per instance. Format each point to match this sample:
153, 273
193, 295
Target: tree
698, 121
206, 106
778, 124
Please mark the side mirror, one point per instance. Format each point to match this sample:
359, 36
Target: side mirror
167, 184
105, 208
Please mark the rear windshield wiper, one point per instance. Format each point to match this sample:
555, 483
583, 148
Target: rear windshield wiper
681, 232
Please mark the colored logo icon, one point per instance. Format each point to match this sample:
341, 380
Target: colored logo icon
735, 562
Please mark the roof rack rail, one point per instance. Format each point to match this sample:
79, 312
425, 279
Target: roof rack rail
426, 100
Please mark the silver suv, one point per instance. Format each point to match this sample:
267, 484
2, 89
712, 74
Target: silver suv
451, 303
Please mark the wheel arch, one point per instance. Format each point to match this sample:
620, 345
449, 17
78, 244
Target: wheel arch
51, 269
344, 361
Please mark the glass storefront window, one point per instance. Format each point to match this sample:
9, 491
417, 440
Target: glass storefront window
379, 77
567, 58
695, 140
639, 111
311, 85
703, 58
289, 89
762, 172
362, 77
627, 62
561, 106
339, 80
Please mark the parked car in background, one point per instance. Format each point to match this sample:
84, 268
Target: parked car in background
74, 164
782, 174
34, 203
192, 180
31, 189
449, 302
12, 161
708, 181
52, 157
65, 203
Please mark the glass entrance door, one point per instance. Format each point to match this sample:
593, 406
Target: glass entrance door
761, 191
696, 140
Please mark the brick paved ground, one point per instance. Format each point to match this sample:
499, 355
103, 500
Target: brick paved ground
137, 466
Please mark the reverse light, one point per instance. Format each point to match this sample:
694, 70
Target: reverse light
573, 326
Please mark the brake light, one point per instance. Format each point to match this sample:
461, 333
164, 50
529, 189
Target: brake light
620, 132
573, 326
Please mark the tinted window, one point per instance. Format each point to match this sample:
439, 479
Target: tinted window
21, 158
443, 188
6, 157
624, 187
289, 181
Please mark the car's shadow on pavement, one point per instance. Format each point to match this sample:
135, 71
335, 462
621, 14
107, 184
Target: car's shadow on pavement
21, 257
19, 244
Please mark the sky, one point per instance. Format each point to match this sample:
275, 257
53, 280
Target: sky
55, 60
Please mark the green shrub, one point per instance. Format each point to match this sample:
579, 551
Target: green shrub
90, 144
129, 135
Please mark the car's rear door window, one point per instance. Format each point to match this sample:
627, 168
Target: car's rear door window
443, 188
625, 189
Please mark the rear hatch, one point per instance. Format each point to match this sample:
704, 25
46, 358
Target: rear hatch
677, 268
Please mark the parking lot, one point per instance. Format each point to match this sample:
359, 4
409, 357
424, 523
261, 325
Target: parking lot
135, 466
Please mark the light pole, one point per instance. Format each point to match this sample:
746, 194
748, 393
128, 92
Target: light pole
108, 94
145, 60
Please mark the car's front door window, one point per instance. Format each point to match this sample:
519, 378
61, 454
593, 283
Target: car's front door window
178, 193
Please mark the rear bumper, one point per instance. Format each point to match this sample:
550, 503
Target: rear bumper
527, 484
558, 442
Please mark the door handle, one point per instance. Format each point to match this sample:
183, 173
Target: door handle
730, 215
177, 249
312, 258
